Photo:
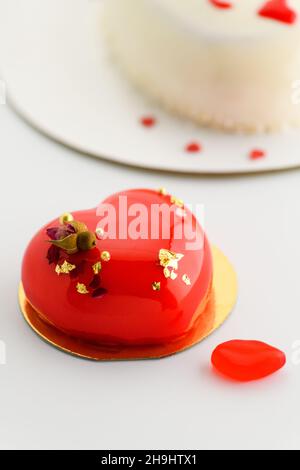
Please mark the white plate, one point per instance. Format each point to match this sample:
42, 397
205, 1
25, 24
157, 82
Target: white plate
60, 78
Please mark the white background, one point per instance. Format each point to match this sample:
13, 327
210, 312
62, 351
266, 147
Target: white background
51, 400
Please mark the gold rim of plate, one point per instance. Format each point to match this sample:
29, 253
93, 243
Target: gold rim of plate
220, 305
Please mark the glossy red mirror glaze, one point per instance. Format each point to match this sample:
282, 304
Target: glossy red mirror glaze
130, 312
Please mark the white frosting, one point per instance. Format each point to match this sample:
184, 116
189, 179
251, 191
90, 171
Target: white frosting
240, 20
224, 68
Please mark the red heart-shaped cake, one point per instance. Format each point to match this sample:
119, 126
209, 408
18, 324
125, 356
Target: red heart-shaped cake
143, 283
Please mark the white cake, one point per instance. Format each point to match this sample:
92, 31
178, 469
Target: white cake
230, 68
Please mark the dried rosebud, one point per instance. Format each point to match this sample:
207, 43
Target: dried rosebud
78, 227
68, 244
86, 241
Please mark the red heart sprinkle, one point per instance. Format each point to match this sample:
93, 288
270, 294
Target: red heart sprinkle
256, 154
193, 147
220, 4
148, 121
278, 10
247, 360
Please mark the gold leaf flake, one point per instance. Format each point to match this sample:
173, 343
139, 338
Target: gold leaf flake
81, 288
186, 279
65, 268
156, 286
167, 273
169, 259
174, 263
162, 191
105, 256
165, 256
177, 202
57, 269
170, 274
97, 267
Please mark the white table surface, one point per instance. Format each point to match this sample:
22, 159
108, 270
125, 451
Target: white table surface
51, 400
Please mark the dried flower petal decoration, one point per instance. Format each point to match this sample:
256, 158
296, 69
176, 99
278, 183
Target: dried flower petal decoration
64, 268
79, 269
95, 283
53, 233
100, 292
53, 254
81, 288
58, 233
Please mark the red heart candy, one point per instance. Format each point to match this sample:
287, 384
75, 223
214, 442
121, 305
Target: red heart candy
278, 10
247, 360
148, 121
128, 309
221, 4
193, 147
257, 154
